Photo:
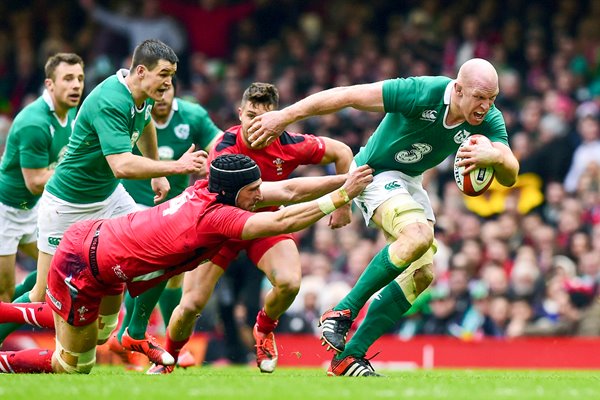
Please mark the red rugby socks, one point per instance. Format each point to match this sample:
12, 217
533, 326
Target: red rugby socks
36, 314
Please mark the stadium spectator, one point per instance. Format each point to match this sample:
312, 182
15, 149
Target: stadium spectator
144, 24
212, 19
85, 288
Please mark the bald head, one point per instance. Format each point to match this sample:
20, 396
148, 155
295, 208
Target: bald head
479, 73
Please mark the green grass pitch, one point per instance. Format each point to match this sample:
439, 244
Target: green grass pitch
112, 382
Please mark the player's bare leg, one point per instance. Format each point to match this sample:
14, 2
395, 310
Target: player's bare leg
198, 286
7, 277
75, 347
38, 292
281, 265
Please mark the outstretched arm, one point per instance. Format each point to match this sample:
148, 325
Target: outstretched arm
300, 216
268, 126
298, 190
341, 155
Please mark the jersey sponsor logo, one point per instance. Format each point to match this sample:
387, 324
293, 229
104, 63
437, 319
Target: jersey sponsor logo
182, 131
53, 241
166, 153
278, 162
413, 155
392, 186
81, 311
134, 137
56, 303
119, 273
429, 115
461, 136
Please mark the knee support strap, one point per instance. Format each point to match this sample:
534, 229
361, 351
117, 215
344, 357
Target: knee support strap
406, 280
400, 211
106, 325
84, 361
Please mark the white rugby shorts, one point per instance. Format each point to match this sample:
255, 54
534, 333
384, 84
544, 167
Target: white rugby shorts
56, 215
387, 184
16, 227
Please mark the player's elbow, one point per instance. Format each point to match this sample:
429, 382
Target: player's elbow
36, 188
120, 173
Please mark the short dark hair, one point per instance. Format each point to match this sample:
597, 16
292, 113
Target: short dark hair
261, 93
54, 61
150, 51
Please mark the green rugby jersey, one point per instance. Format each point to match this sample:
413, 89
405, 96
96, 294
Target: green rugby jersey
108, 123
413, 136
187, 124
36, 139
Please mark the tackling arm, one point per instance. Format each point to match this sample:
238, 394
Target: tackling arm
300, 216
298, 190
367, 97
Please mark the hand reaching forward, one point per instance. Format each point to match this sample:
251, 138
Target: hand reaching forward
265, 128
193, 162
358, 180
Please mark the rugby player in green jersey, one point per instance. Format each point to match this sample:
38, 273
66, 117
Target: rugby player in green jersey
36, 142
179, 124
426, 120
112, 119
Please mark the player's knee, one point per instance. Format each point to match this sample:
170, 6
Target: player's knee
288, 285
65, 361
420, 237
193, 303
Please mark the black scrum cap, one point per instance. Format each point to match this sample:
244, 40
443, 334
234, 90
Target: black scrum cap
229, 173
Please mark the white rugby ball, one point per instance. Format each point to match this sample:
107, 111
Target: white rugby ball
478, 180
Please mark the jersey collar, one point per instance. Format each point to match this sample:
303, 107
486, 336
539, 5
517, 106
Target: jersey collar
48, 99
121, 75
448, 91
174, 109
447, 95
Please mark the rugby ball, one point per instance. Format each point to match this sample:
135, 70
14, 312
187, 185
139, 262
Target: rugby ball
478, 180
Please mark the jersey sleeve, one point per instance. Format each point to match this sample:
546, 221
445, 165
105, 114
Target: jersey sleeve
400, 95
111, 126
308, 149
204, 129
497, 128
227, 220
34, 147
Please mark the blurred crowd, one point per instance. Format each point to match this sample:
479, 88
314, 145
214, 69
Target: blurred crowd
513, 262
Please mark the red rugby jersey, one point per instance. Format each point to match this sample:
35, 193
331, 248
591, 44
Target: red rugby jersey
149, 246
278, 160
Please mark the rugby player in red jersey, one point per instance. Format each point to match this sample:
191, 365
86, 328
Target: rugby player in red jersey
96, 259
277, 256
